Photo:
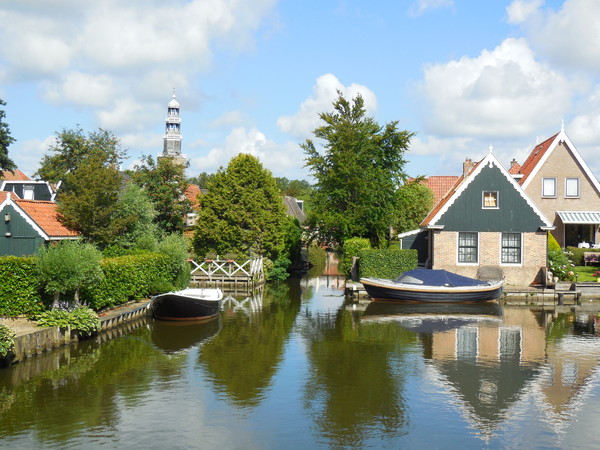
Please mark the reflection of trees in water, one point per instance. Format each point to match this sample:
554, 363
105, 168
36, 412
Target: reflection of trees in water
86, 389
356, 383
242, 359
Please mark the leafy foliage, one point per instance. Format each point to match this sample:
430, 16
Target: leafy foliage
553, 243
68, 266
7, 340
414, 202
385, 263
90, 202
19, 289
576, 255
201, 180
5, 140
165, 183
82, 320
357, 173
242, 212
73, 147
352, 247
137, 213
560, 265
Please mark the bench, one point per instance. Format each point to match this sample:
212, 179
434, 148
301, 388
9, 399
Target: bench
590, 257
562, 289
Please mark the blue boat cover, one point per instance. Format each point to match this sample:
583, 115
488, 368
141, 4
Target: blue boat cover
432, 277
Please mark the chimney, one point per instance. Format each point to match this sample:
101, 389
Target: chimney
513, 163
467, 166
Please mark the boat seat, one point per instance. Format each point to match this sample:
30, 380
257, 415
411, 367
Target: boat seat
490, 273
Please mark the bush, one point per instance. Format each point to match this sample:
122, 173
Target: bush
7, 340
386, 264
278, 270
560, 265
577, 255
19, 289
81, 320
553, 243
352, 247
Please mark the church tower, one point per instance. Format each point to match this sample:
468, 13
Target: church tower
172, 138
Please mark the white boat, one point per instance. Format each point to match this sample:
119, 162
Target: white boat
187, 304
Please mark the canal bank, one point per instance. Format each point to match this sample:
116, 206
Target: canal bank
31, 340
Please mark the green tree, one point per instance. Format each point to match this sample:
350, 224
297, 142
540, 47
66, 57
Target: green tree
202, 179
415, 201
73, 147
165, 183
242, 212
5, 140
67, 267
357, 173
90, 201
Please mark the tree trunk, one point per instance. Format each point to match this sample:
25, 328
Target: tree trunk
55, 300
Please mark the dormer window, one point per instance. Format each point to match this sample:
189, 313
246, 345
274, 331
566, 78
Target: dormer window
490, 199
572, 187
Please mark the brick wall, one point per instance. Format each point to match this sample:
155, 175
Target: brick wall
445, 255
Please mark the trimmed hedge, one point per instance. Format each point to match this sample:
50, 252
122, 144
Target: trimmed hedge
130, 277
351, 248
19, 291
385, 263
576, 255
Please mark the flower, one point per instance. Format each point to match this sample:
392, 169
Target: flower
596, 274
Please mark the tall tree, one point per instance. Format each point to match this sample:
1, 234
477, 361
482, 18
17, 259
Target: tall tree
415, 201
5, 140
243, 211
357, 173
90, 201
72, 147
165, 183
202, 179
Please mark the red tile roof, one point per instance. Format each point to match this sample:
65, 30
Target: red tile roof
191, 193
440, 185
45, 215
534, 158
16, 176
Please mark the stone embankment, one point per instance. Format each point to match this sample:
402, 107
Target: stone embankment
32, 340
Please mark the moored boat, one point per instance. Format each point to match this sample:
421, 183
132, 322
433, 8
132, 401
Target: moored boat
187, 304
428, 285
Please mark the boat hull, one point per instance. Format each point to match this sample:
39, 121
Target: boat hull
187, 305
386, 290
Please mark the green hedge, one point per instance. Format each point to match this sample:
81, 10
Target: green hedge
385, 263
130, 277
576, 255
19, 291
351, 248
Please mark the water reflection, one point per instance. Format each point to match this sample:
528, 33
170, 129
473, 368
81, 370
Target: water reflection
174, 337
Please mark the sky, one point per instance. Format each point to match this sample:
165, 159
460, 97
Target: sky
252, 76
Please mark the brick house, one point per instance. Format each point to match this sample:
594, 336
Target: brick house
487, 220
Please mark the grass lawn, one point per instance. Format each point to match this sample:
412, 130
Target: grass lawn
584, 273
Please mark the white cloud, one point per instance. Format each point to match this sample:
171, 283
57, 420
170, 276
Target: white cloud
30, 153
521, 10
127, 114
569, 36
503, 92
230, 118
321, 100
420, 7
81, 89
281, 160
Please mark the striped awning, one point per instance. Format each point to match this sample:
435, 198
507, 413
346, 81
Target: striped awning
579, 217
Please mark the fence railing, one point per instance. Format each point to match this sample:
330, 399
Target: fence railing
227, 271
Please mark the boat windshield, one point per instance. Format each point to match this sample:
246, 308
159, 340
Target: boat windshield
408, 279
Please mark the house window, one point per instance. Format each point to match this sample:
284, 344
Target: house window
549, 187
572, 187
28, 192
490, 199
467, 247
511, 248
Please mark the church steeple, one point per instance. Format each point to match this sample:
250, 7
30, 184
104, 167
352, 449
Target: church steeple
172, 139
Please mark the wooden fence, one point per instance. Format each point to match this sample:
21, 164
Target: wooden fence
229, 274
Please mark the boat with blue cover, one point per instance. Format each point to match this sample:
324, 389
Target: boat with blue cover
429, 285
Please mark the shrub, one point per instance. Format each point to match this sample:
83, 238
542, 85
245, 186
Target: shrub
386, 264
278, 270
553, 243
577, 255
7, 340
352, 248
19, 289
82, 320
560, 265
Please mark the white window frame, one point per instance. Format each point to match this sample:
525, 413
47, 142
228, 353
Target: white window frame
467, 263
28, 193
496, 196
520, 263
546, 194
577, 185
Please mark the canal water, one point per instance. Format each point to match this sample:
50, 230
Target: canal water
295, 367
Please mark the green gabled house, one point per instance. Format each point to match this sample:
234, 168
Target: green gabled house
487, 221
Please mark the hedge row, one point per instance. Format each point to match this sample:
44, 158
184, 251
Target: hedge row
130, 277
19, 291
125, 278
351, 248
385, 263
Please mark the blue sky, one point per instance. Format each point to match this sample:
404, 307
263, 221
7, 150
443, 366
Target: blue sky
252, 75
